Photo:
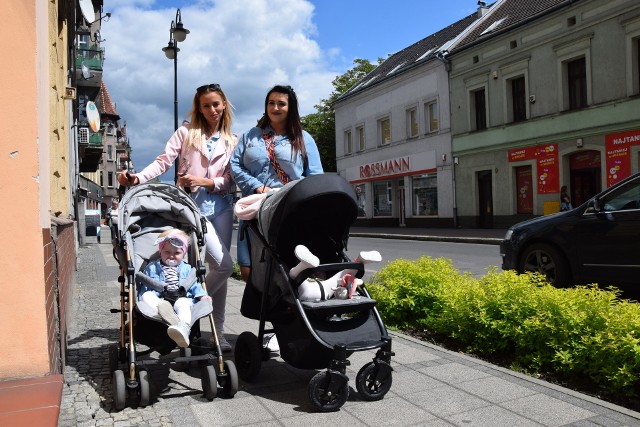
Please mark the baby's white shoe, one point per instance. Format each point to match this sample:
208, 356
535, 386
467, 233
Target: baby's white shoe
366, 257
307, 260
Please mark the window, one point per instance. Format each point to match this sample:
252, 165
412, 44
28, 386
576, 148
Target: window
360, 199
425, 195
577, 83
524, 189
412, 123
382, 201
478, 109
384, 127
110, 152
348, 144
361, 141
110, 179
518, 99
431, 114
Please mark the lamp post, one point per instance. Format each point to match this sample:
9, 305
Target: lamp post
177, 33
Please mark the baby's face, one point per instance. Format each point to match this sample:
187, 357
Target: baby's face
170, 255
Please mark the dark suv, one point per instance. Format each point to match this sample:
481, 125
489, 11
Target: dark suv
597, 242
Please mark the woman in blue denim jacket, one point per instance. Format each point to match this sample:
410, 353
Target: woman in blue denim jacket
273, 153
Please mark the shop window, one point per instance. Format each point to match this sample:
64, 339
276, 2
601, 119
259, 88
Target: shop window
425, 195
382, 198
524, 189
360, 199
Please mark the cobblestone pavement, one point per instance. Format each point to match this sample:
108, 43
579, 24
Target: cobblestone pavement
431, 386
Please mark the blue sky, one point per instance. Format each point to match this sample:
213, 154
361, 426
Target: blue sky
248, 46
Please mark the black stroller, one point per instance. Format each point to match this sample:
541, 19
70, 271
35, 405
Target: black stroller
317, 212
146, 211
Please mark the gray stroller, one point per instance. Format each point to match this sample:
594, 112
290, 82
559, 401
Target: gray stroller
146, 211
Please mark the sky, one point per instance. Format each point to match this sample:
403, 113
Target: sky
248, 46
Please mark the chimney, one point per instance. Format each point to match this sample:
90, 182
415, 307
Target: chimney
482, 8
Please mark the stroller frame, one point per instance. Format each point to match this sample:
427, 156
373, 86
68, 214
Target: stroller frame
328, 390
214, 369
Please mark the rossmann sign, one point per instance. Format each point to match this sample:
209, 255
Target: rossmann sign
388, 168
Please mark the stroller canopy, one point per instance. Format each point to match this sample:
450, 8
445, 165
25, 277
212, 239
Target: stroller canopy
316, 211
158, 202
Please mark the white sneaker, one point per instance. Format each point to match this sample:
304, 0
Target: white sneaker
166, 312
306, 258
272, 343
180, 334
366, 257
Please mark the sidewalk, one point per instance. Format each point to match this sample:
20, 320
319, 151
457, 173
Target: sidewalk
431, 386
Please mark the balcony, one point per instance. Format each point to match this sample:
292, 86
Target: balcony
89, 149
89, 60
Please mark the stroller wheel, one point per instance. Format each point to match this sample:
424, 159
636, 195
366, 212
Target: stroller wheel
114, 357
209, 383
322, 398
143, 377
118, 389
229, 380
374, 381
248, 356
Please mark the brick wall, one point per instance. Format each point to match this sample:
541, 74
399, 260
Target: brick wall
60, 269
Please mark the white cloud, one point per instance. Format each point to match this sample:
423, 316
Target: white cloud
246, 46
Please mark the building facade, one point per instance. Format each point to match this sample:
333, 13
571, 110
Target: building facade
543, 96
393, 140
531, 96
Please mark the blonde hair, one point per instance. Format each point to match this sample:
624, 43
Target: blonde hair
198, 123
173, 231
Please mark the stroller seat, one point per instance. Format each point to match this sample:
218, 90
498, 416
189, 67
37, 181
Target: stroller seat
339, 306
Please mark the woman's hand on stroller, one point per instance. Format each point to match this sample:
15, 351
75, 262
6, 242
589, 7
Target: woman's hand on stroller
206, 298
127, 180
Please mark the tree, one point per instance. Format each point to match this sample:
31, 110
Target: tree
322, 124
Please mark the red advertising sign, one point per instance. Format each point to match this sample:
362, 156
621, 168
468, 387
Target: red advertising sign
618, 155
525, 189
546, 165
547, 168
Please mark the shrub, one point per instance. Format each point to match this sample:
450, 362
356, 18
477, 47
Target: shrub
582, 331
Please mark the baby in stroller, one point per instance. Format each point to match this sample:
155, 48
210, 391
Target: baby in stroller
180, 290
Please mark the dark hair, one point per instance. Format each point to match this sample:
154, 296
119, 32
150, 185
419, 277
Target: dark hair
293, 127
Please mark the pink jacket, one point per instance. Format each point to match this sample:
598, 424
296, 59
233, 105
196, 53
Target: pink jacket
193, 162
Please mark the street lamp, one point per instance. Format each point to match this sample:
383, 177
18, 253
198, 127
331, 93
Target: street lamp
177, 33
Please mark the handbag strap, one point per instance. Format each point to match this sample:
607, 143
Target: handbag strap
270, 146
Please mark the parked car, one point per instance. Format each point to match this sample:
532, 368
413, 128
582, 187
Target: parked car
596, 242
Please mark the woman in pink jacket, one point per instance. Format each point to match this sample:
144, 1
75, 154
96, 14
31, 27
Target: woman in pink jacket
204, 146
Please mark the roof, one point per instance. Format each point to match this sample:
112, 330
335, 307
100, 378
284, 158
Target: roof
416, 54
508, 14
105, 105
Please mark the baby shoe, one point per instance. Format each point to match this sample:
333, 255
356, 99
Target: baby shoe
180, 334
165, 310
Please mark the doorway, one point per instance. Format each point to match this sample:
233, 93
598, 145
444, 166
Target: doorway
585, 175
485, 199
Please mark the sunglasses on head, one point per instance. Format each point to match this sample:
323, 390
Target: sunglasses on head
212, 86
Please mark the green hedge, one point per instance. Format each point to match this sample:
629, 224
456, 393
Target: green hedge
576, 332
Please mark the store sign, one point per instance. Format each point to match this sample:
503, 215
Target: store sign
547, 169
618, 148
385, 168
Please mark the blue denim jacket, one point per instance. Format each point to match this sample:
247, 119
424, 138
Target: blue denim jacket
251, 168
154, 270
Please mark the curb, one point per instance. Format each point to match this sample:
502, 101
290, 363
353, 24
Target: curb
479, 240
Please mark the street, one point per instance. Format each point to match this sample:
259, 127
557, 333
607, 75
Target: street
466, 257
